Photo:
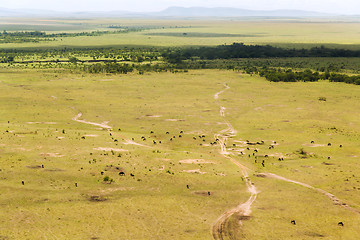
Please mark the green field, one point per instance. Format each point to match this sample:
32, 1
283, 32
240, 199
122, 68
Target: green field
155, 203
191, 150
165, 33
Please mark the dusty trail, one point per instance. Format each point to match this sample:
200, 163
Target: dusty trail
103, 125
109, 128
243, 210
333, 198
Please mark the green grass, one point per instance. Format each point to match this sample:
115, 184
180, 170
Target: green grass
39, 105
169, 32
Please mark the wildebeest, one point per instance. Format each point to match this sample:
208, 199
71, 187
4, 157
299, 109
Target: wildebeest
102, 173
42, 165
151, 131
194, 138
340, 146
340, 223
209, 193
187, 186
312, 142
22, 182
329, 144
154, 141
82, 137
132, 175
234, 145
180, 136
293, 222
121, 173
181, 131
76, 184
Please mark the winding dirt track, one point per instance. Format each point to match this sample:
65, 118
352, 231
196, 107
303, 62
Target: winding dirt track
219, 230
333, 198
103, 125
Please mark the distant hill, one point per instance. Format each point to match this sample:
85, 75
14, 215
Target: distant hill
176, 12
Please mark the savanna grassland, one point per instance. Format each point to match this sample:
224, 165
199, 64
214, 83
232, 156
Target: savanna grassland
109, 130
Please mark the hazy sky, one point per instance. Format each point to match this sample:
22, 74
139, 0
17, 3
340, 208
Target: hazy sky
331, 6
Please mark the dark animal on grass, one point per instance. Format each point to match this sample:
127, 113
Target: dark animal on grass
266, 156
115, 140
255, 150
42, 165
341, 224
132, 175
328, 158
194, 138
167, 133
102, 173
180, 136
234, 145
209, 193
110, 134
170, 139
76, 184
154, 141
121, 173
151, 131
340, 146
22, 182
181, 131
187, 186
82, 137
312, 142
329, 144
263, 164
293, 222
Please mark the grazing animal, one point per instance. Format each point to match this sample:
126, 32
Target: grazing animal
255, 150
247, 148
132, 175
170, 139
263, 164
151, 131
279, 159
121, 173
154, 141
159, 141
293, 222
194, 138
102, 173
167, 133
76, 185
115, 140
181, 131
234, 145
82, 137
22, 182
110, 134
266, 156
312, 142
180, 136
42, 165
209, 193
329, 144
187, 186
328, 158
340, 146
341, 224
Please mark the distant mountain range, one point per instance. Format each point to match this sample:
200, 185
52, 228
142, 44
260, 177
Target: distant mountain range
175, 12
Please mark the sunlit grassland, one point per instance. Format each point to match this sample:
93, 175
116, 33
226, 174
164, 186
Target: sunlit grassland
280, 32
36, 106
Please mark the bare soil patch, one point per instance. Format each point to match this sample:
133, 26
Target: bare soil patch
194, 171
111, 149
195, 161
51, 155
